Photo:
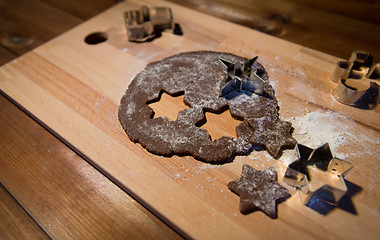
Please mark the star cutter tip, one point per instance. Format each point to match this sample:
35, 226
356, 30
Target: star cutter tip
241, 78
297, 174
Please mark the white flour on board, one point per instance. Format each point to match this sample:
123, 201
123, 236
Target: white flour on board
316, 128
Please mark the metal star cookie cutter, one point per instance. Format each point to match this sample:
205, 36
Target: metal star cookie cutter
298, 175
357, 80
241, 78
146, 23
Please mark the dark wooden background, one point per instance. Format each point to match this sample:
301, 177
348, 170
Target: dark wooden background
47, 190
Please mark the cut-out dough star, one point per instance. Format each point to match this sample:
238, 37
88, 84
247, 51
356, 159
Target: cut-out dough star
241, 78
271, 134
258, 190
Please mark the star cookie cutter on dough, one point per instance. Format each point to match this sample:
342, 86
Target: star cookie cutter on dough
146, 23
297, 174
357, 80
241, 78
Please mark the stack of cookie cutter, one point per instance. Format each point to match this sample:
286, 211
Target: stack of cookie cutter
360, 71
297, 174
146, 23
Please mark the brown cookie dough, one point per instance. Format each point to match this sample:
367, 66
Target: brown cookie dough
198, 76
258, 190
272, 134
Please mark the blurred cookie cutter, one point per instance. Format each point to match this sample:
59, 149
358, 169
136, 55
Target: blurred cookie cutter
358, 70
147, 23
297, 174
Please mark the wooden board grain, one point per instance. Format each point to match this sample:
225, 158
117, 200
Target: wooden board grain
6, 56
335, 27
365, 11
64, 194
15, 222
75, 89
28, 24
84, 9
28, 152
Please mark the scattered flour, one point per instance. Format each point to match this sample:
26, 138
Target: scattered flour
177, 175
320, 127
316, 128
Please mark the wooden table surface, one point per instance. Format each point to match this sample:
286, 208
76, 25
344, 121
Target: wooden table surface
49, 191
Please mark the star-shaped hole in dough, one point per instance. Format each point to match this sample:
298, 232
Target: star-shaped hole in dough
273, 134
219, 124
168, 105
258, 190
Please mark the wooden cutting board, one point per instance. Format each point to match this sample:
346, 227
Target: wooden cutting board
74, 89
